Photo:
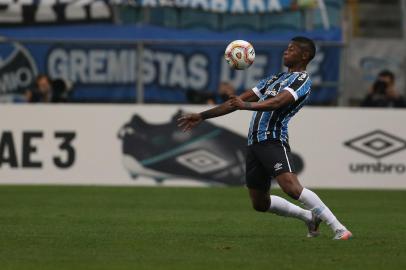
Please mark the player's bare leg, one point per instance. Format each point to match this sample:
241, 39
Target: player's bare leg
263, 202
291, 186
260, 199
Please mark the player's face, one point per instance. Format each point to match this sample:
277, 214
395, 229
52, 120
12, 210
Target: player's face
292, 55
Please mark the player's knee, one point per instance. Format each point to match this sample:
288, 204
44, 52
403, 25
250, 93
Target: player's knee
292, 190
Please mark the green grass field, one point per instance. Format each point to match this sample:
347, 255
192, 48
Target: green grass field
44, 227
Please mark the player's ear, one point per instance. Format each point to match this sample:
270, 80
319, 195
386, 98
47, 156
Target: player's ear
305, 55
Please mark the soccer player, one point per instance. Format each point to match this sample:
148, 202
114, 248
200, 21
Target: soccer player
275, 100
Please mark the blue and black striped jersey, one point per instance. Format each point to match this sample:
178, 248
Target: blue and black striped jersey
273, 125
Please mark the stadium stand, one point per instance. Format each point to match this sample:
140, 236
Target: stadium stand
197, 19
285, 21
186, 18
241, 22
136, 23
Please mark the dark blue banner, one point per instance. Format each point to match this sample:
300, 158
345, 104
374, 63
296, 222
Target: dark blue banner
108, 71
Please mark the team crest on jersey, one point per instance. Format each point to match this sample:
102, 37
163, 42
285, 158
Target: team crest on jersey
302, 77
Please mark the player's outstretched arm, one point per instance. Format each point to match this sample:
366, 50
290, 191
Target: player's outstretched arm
189, 121
282, 99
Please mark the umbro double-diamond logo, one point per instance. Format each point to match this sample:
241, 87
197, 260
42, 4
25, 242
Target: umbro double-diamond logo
278, 166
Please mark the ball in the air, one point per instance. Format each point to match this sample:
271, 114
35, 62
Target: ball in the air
239, 54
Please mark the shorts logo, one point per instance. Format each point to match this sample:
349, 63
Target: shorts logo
278, 166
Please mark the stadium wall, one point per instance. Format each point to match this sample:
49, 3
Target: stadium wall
141, 145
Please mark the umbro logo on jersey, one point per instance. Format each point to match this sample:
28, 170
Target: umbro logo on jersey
278, 166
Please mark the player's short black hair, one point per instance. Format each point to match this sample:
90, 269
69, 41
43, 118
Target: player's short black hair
306, 44
387, 73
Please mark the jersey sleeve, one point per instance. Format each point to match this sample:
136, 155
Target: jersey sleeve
260, 88
299, 86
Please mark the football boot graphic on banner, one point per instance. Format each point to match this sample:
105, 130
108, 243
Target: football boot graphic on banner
208, 153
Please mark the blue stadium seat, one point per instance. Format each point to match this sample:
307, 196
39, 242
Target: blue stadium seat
251, 22
283, 21
167, 17
130, 15
334, 3
334, 15
197, 19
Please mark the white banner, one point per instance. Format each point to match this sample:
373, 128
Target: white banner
351, 148
141, 145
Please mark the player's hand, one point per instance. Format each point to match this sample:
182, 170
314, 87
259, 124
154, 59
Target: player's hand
188, 121
236, 103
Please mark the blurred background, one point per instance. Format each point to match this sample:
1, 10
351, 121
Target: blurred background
139, 55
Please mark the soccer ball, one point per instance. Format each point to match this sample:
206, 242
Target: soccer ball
239, 54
